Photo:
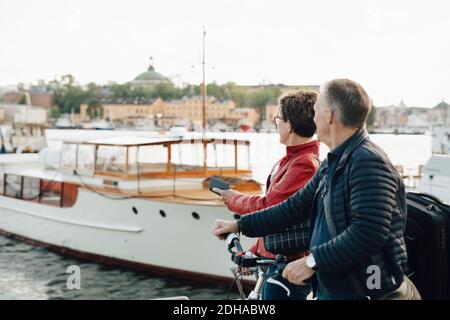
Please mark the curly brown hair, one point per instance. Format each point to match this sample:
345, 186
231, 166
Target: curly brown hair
297, 107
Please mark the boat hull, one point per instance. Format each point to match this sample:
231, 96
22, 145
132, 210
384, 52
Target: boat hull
164, 237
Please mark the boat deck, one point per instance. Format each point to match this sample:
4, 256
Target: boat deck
191, 196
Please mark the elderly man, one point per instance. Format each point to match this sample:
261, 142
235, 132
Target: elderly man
356, 202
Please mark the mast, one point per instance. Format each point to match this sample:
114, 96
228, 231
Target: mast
204, 104
204, 86
446, 112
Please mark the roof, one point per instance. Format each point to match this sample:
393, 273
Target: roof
19, 107
442, 105
125, 141
19, 158
134, 141
150, 75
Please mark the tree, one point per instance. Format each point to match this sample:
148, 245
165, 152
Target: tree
261, 97
213, 89
23, 100
68, 96
55, 113
93, 91
371, 117
94, 109
122, 90
232, 92
190, 90
167, 91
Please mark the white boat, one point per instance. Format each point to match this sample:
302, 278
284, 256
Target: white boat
436, 173
130, 201
99, 124
64, 122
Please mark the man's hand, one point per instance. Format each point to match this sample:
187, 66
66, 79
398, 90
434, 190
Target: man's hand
297, 272
225, 195
222, 227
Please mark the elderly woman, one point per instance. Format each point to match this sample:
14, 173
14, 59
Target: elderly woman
296, 128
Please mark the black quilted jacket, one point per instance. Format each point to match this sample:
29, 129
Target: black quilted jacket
368, 208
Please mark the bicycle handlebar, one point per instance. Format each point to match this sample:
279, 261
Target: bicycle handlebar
233, 242
245, 261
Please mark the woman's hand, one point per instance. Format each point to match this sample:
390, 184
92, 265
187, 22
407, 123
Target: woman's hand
225, 195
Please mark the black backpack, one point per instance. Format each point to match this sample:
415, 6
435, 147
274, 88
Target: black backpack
427, 245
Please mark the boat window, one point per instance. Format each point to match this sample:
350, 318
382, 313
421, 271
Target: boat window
69, 194
189, 156
196, 156
34, 189
30, 189
148, 159
13, 185
51, 192
68, 158
111, 159
86, 159
220, 154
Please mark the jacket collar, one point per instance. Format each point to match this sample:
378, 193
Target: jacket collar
312, 146
353, 142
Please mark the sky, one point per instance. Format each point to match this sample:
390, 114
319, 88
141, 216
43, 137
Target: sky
395, 49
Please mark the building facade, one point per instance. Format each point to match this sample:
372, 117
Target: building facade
121, 112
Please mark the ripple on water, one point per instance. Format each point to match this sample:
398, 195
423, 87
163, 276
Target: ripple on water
28, 272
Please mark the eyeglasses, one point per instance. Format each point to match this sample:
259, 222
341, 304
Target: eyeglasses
277, 119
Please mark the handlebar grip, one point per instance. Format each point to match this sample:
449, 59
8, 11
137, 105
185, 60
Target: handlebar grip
233, 242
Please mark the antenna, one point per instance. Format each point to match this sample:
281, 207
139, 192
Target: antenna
151, 67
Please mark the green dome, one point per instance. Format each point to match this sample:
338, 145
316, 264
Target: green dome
150, 75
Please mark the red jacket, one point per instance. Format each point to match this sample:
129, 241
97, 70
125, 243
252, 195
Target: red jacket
288, 175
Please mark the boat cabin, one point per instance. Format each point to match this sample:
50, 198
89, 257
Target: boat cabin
136, 157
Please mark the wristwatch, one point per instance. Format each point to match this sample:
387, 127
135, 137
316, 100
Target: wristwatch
311, 262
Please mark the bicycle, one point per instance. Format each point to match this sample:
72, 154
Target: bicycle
257, 266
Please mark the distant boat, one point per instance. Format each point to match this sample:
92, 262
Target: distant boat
65, 123
99, 125
436, 172
219, 127
245, 128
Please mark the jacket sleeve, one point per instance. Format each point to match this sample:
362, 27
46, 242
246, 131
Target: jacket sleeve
372, 192
295, 177
254, 247
295, 209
